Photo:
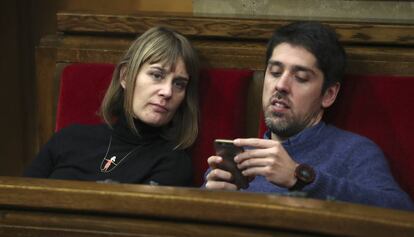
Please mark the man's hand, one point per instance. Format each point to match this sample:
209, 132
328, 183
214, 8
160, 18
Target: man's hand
218, 178
268, 158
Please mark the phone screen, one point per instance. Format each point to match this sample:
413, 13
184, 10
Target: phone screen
227, 150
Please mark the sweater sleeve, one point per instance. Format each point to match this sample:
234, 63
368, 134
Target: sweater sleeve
174, 169
43, 164
368, 180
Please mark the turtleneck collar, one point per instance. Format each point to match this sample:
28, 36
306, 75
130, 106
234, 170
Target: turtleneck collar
302, 136
146, 133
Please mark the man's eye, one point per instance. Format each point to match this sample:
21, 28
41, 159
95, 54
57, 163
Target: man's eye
276, 74
301, 77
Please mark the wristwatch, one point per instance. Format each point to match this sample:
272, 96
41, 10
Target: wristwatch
305, 175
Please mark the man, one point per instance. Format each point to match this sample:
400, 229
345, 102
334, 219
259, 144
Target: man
299, 152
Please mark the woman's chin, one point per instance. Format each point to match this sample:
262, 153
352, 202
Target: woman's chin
156, 121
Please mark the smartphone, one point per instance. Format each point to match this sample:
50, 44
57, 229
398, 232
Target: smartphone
227, 150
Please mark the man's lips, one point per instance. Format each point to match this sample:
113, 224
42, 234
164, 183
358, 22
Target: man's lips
278, 105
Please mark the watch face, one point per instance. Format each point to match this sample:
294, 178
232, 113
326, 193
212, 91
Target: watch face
305, 173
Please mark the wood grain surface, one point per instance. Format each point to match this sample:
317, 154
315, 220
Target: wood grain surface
226, 26
47, 207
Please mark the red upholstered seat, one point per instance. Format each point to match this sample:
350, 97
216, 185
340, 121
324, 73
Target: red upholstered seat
82, 88
380, 108
222, 104
223, 94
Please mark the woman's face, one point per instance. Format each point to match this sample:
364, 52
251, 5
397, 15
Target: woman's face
159, 91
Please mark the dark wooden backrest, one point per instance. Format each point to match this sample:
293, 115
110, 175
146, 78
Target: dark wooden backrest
222, 42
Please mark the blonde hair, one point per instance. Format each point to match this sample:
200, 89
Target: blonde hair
164, 45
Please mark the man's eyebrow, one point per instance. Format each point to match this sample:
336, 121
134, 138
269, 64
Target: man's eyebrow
298, 68
274, 63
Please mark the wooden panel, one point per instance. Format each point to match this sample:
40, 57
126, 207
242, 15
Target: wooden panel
254, 105
125, 5
46, 91
231, 54
90, 208
13, 88
216, 26
41, 224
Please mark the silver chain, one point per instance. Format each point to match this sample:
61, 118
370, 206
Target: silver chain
110, 162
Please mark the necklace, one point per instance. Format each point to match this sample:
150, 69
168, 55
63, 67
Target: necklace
109, 164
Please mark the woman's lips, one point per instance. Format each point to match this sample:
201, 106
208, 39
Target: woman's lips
159, 108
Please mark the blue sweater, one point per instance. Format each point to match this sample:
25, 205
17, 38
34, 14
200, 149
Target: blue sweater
348, 168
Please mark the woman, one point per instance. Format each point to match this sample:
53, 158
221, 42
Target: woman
150, 110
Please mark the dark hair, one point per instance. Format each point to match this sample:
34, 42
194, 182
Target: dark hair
318, 39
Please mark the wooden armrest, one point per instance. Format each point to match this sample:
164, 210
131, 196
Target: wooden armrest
39, 207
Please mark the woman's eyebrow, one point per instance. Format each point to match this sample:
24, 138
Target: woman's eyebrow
182, 77
166, 70
158, 67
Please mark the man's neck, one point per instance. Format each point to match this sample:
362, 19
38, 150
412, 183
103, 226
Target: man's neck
278, 138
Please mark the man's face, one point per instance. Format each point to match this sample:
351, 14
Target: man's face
292, 92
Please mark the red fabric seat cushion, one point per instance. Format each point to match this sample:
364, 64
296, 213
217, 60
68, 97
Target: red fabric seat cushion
380, 108
82, 88
222, 104
223, 95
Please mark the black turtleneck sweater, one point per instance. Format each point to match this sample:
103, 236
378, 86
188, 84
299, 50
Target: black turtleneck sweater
80, 152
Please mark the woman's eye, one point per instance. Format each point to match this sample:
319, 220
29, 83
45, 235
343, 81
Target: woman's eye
157, 75
181, 85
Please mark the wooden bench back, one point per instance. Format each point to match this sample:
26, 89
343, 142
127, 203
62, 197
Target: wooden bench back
222, 42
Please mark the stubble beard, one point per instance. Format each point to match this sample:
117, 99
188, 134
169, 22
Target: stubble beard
285, 125
282, 125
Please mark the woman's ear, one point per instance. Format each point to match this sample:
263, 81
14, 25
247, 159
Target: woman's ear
122, 75
330, 94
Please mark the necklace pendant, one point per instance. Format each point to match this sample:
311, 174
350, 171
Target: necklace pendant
108, 163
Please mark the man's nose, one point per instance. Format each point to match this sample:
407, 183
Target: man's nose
283, 83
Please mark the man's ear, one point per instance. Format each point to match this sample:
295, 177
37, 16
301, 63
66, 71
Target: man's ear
122, 75
330, 94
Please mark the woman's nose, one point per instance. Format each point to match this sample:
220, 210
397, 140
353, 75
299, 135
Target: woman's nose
166, 89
